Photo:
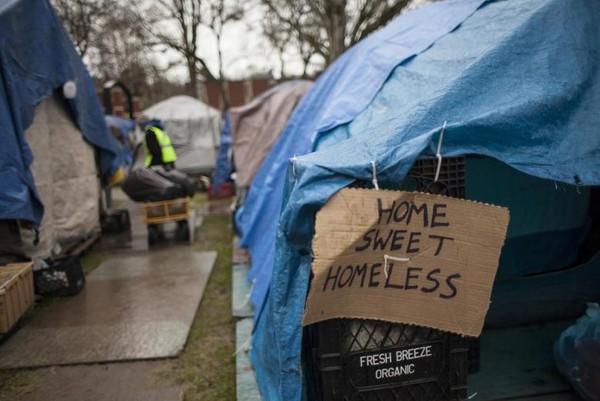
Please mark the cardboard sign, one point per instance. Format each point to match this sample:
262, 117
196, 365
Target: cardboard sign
405, 257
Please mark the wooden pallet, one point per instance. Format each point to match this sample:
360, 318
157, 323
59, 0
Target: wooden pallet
16, 293
78, 248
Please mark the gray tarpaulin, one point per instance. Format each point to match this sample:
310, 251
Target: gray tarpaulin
65, 175
256, 126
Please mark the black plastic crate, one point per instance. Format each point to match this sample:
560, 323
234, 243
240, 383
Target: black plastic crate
370, 360
63, 277
451, 182
474, 354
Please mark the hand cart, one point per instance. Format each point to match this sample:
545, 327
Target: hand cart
173, 210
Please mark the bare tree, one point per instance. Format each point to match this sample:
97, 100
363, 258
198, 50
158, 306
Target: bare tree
187, 17
84, 20
190, 16
218, 16
109, 35
329, 27
279, 39
121, 51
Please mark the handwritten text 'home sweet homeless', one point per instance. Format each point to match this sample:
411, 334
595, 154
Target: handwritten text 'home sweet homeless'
389, 236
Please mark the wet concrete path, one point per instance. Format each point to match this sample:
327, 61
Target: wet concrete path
132, 307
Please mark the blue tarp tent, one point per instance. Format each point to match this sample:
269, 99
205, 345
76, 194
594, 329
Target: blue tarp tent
343, 90
37, 58
516, 81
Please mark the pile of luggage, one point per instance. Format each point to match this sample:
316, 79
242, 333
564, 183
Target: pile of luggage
155, 183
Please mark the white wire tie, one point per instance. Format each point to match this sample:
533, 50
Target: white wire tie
375, 183
294, 165
438, 154
386, 258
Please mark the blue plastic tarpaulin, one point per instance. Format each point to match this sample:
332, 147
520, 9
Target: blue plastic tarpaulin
223, 166
517, 81
124, 125
37, 58
342, 92
124, 128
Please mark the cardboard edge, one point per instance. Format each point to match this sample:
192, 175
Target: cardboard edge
350, 189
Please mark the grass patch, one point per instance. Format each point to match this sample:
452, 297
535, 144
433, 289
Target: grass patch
207, 366
92, 259
15, 384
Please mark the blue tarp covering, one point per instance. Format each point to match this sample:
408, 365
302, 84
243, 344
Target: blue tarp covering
518, 81
36, 58
223, 166
124, 127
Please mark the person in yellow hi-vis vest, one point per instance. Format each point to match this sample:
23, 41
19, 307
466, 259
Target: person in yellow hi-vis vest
158, 147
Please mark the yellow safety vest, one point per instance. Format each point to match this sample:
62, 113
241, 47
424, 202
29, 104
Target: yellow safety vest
167, 150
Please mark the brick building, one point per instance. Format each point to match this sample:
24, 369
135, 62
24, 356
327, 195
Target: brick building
240, 92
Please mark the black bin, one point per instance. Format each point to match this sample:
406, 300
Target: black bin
370, 360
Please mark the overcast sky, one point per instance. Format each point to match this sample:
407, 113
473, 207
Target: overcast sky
245, 50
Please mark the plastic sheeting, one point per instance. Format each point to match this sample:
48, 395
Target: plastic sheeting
124, 126
256, 126
121, 129
64, 168
36, 58
577, 354
516, 81
341, 92
223, 166
194, 129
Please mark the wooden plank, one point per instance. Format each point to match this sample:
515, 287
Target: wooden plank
246, 384
241, 306
81, 247
16, 294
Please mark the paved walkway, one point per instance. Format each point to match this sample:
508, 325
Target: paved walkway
123, 381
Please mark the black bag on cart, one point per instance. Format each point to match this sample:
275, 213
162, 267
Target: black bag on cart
146, 185
177, 177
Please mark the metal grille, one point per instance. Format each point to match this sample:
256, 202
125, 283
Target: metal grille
366, 335
451, 180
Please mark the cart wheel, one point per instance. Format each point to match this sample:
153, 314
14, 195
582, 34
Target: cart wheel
183, 230
153, 234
